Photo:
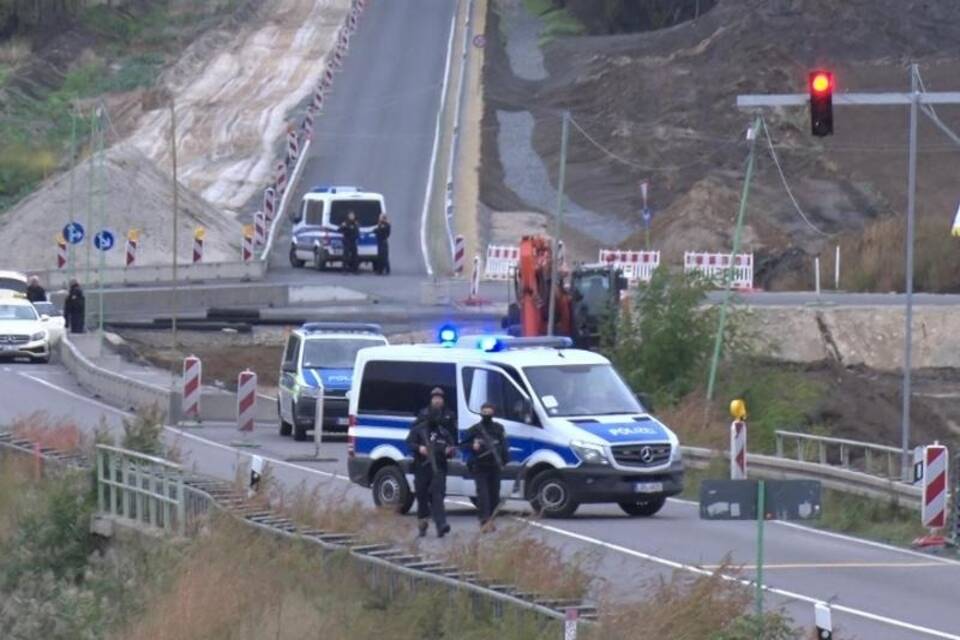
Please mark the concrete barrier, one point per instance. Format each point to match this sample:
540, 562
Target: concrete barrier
156, 274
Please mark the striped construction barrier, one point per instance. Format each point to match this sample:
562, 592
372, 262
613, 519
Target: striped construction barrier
192, 381
281, 178
459, 249
738, 450
714, 267
308, 125
269, 203
293, 147
61, 252
317, 102
246, 246
198, 236
637, 266
133, 242
259, 229
501, 262
246, 400
934, 503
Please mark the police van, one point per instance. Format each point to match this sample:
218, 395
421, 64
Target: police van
315, 234
576, 432
320, 353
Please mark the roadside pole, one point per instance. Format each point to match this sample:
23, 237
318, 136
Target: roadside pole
752, 134
176, 222
564, 136
73, 206
101, 258
91, 167
913, 99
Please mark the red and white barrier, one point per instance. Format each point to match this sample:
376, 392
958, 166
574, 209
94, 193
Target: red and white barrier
281, 178
246, 400
934, 508
192, 380
738, 450
501, 262
308, 125
133, 241
571, 620
269, 202
474, 299
715, 265
459, 255
327, 79
259, 229
198, 236
246, 246
317, 103
61, 252
637, 266
293, 147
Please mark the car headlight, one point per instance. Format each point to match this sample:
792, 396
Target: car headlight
39, 335
589, 453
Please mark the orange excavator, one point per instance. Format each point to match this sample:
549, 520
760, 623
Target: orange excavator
582, 306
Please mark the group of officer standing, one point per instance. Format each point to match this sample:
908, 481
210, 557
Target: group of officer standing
433, 441
350, 230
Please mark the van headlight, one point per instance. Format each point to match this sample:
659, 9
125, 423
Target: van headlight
589, 453
39, 335
676, 454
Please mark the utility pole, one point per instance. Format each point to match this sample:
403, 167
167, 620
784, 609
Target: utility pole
913, 99
176, 224
101, 257
73, 206
558, 217
752, 134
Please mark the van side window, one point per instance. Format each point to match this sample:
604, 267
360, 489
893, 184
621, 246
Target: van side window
313, 212
403, 388
292, 351
484, 385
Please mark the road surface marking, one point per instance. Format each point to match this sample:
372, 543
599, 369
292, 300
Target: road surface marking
840, 536
747, 583
75, 395
830, 565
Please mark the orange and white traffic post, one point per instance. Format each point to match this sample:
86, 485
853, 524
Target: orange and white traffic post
192, 381
246, 247
738, 440
199, 235
246, 400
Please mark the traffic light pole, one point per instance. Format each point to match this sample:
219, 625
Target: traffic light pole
913, 99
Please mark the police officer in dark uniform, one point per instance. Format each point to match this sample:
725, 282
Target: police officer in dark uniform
351, 234
382, 232
432, 440
486, 444
74, 308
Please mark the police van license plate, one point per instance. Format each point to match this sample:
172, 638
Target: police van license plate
648, 487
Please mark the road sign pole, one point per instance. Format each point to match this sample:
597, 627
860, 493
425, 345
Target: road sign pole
103, 251
176, 224
73, 206
564, 136
908, 320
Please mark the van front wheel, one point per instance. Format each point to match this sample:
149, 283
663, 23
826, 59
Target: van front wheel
390, 490
643, 508
551, 496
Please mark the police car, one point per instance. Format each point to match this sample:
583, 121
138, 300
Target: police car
320, 353
576, 432
23, 331
315, 236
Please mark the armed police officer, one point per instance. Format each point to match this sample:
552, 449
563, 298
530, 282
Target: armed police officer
432, 440
486, 444
351, 234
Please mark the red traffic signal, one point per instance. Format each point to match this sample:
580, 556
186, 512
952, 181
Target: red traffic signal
821, 103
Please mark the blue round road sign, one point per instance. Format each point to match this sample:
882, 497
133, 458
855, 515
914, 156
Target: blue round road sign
104, 240
73, 233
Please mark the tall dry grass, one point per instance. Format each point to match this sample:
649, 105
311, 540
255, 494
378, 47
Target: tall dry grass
59, 434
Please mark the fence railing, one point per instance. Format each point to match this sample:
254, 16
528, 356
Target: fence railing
847, 454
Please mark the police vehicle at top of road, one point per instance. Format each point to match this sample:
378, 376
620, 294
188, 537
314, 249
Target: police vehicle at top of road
315, 236
320, 354
23, 331
576, 432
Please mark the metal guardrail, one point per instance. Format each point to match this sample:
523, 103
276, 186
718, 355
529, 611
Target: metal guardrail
824, 445
141, 488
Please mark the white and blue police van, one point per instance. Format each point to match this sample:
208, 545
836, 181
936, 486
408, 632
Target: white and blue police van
315, 235
576, 432
320, 355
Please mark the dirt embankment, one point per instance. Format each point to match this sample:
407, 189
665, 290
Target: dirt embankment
660, 106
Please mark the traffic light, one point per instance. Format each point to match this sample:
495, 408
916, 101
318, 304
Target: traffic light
821, 103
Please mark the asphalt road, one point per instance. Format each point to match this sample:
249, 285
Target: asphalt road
378, 123
879, 592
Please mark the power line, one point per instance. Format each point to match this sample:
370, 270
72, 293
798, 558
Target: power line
783, 179
932, 114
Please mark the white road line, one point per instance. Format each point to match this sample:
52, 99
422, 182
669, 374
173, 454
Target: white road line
77, 396
747, 583
425, 214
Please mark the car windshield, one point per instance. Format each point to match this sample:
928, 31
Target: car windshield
367, 212
17, 312
47, 308
13, 284
582, 390
333, 354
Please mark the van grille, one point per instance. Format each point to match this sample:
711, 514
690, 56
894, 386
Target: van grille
641, 455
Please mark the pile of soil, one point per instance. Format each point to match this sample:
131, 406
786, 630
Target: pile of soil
664, 101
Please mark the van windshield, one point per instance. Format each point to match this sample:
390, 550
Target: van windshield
333, 354
582, 390
367, 212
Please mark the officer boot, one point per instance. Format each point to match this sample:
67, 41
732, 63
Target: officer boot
422, 525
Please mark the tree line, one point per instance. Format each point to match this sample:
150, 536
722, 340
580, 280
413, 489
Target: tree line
23, 16
625, 16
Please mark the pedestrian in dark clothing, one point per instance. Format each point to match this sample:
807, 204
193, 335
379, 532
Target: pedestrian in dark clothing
382, 231
351, 234
432, 439
35, 292
74, 308
486, 443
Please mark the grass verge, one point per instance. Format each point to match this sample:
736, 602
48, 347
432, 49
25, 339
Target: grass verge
557, 22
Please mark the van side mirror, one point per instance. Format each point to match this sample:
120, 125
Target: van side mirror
44, 318
645, 401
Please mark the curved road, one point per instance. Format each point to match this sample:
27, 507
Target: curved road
378, 122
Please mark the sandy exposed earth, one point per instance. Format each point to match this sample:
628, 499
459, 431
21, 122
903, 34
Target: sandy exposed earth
235, 88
